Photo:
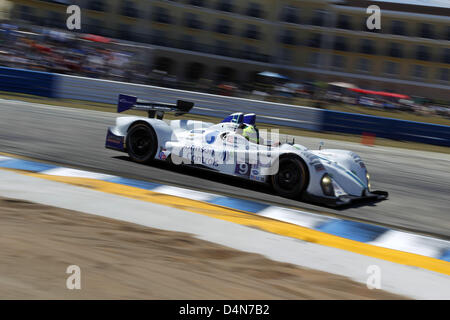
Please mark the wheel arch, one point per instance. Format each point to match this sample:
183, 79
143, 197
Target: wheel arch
161, 129
296, 156
154, 134
294, 193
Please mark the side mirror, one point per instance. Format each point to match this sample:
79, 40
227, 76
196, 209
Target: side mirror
321, 144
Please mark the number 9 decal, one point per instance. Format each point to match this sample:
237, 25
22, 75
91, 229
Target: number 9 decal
243, 169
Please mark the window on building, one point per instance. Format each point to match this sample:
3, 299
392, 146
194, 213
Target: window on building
318, 18
313, 59
344, 22
163, 64
188, 42
338, 61
315, 41
56, 20
222, 48
249, 52
395, 50
159, 37
426, 31
391, 68
95, 26
97, 5
254, 10
367, 46
195, 71
25, 13
446, 55
363, 65
161, 15
423, 53
128, 9
285, 55
443, 74
288, 37
225, 5
224, 26
124, 32
340, 43
226, 74
398, 28
191, 21
198, 3
290, 14
252, 32
419, 71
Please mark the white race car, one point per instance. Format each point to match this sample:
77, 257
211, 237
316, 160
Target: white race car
329, 176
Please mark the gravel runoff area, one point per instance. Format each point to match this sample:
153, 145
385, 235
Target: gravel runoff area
120, 260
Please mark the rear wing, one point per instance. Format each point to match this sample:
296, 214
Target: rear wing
157, 109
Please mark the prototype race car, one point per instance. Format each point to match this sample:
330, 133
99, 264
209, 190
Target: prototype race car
329, 176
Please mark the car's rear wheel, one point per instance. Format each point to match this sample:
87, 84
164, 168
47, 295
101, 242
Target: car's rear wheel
141, 143
291, 178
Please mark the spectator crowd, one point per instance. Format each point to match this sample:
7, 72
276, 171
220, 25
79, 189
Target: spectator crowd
42, 49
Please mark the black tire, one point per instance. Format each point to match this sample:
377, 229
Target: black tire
141, 143
292, 177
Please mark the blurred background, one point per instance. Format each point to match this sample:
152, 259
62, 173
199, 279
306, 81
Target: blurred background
316, 53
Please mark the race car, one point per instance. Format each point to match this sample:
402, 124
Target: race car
329, 176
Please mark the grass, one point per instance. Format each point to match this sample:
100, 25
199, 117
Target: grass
283, 130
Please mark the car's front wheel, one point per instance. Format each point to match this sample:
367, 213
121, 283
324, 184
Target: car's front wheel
291, 178
141, 143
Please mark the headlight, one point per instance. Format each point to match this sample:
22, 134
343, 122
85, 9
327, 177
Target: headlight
368, 181
327, 185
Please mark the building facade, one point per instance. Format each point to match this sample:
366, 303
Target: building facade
307, 40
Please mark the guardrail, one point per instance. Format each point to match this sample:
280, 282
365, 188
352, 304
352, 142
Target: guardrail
389, 128
29, 82
104, 91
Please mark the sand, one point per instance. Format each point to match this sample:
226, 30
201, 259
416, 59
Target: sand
121, 260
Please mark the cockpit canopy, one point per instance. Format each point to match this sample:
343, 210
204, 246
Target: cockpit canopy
239, 117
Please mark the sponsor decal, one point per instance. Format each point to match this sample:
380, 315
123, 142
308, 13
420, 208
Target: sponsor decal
243, 169
319, 167
256, 175
201, 155
162, 154
358, 160
315, 162
211, 137
114, 141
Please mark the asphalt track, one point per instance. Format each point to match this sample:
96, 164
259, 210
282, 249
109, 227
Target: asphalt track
418, 182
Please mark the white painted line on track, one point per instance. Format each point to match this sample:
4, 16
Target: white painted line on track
185, 193
68, 172
409, 242
304, 219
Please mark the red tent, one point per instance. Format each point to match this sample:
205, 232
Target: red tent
393, 95
41, 47
96, 38
363, 91
381, 93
